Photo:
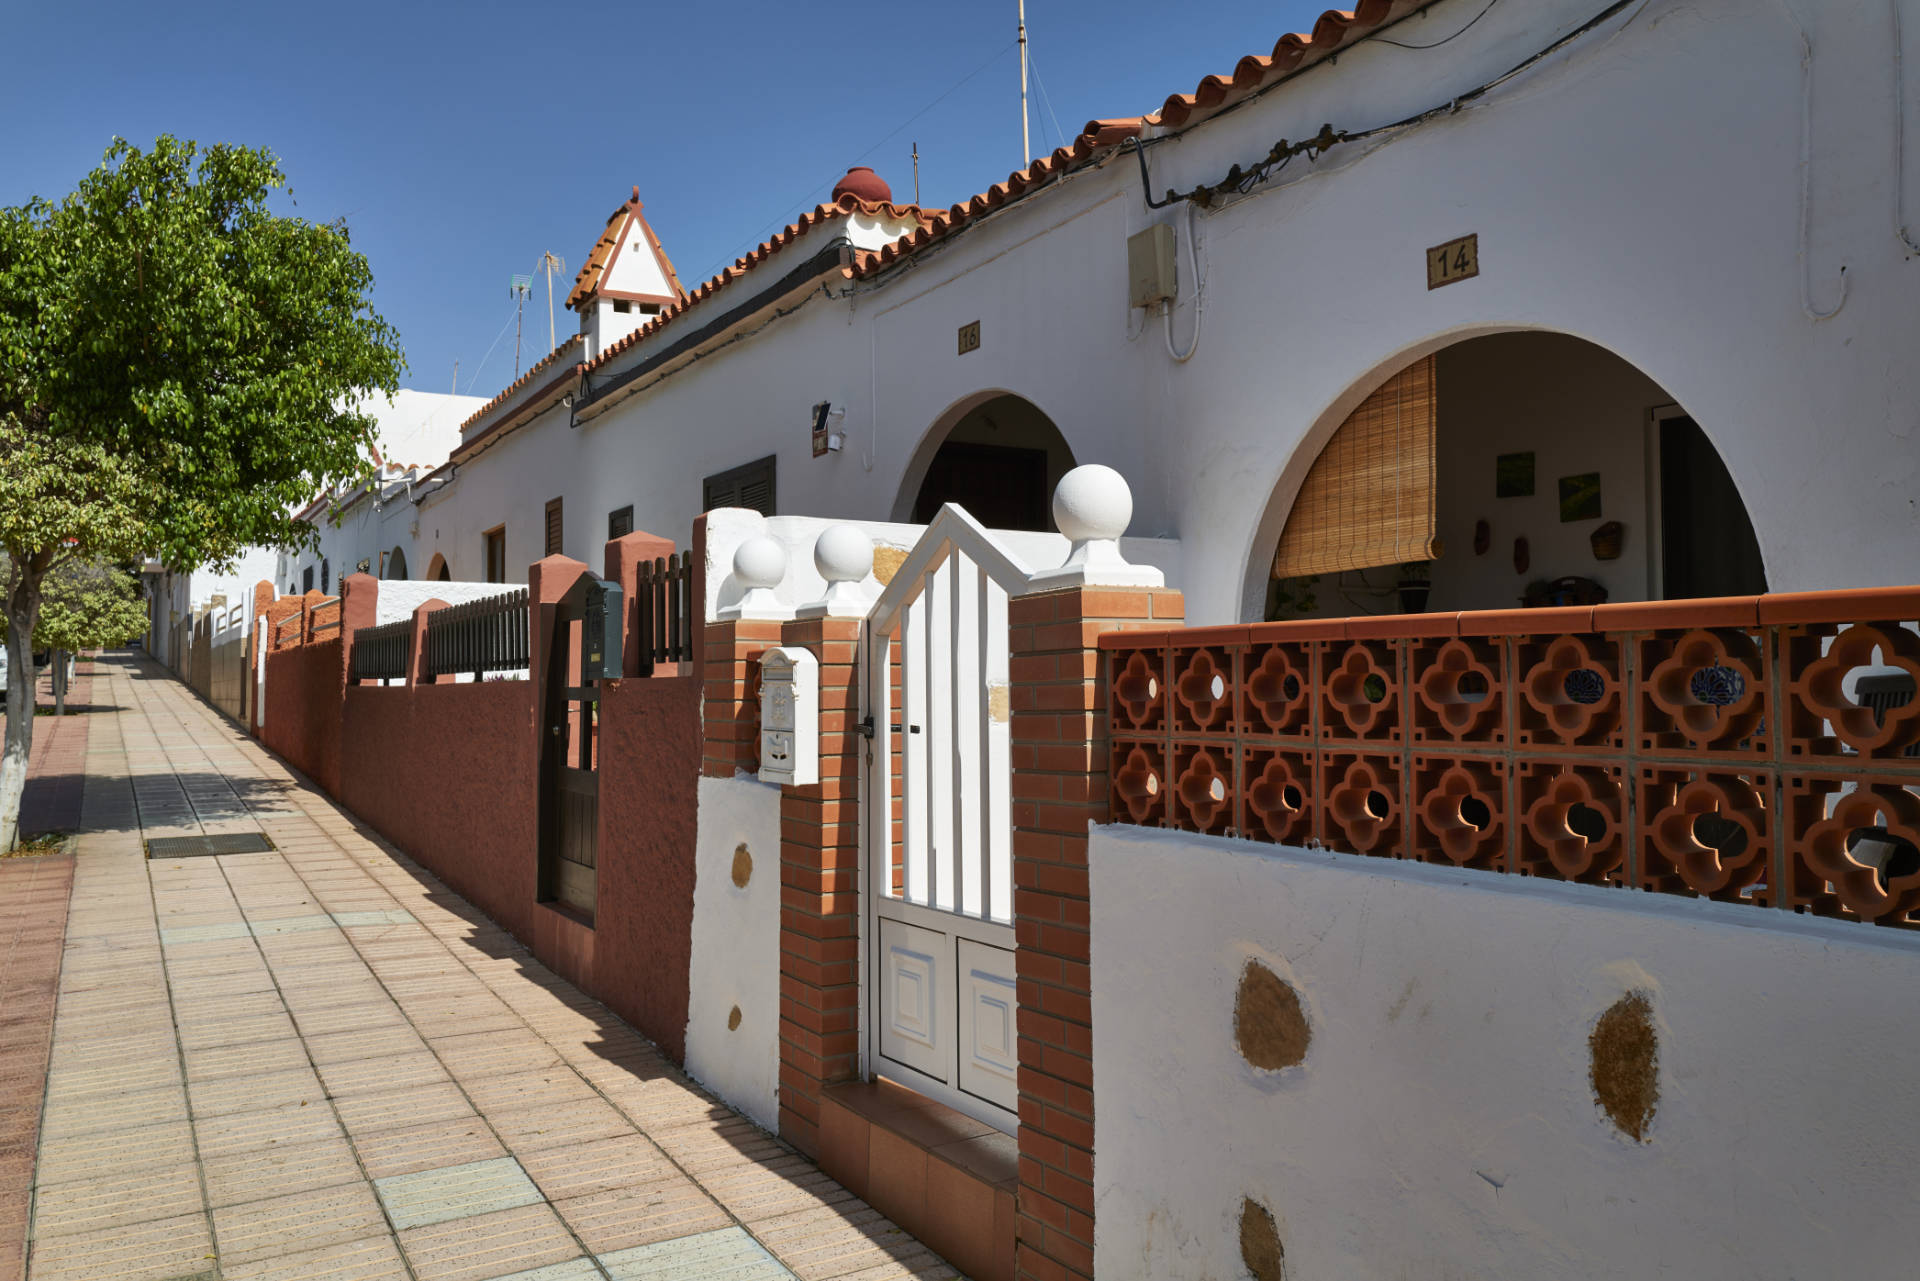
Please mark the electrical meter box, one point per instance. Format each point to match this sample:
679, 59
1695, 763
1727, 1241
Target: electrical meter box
1150, 276
600, 615
789, 716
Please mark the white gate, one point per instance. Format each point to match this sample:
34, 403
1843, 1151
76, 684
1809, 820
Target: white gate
938, 917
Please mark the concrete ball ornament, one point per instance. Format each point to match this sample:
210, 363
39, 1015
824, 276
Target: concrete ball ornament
760, 562
1092, 502
843, 554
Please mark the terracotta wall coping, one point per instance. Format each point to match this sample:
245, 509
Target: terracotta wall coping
1774, 609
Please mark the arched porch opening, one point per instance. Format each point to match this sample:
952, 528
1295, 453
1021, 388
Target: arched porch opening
1000, 459
438, 570
396, 565
1511, 469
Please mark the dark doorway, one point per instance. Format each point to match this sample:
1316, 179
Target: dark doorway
570, 765
1707, 545
1001, 486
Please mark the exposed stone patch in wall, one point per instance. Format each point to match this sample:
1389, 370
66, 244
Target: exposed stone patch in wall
1260, 1246
742, 865
1268, 1023
886, 562
1625, 1067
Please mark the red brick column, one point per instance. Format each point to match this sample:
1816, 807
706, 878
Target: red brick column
417, 673
625, 556
820, 894
730, 715
1060, 786
359, 607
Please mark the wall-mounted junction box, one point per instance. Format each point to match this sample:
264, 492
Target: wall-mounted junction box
1150, 277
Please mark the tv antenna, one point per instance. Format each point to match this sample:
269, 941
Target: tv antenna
518, 288
552, 264
1026, 145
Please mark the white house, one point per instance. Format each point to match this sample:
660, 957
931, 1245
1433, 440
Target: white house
1675, 238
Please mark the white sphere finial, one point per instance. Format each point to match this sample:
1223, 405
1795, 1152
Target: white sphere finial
844, 556
1093, 506
1093, 501
759, 565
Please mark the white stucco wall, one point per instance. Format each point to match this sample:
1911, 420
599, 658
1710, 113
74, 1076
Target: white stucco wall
736, 948
398, 599
1442, 1124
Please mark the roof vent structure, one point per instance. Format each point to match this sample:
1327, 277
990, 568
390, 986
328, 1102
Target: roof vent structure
863, 183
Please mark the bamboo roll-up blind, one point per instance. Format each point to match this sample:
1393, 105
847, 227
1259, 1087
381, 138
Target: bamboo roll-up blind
1368, 498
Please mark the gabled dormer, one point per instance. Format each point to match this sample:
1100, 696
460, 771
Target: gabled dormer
627, 280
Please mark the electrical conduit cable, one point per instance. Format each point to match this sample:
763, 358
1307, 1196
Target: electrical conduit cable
1199, 300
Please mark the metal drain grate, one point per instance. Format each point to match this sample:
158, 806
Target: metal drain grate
201, 846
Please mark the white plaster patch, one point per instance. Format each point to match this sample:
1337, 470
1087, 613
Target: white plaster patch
400, 597
736, 948
1443, 1123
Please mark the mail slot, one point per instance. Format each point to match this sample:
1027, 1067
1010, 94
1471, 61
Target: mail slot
601, 614
789, 716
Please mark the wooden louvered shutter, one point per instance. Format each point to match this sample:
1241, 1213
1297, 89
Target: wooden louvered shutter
620, 522
1369, 497
554, 528
750, 486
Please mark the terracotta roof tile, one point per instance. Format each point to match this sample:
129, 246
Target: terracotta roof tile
1335, 29
543, 363
845, 206
587, 283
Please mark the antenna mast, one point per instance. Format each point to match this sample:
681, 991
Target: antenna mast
551, 262
519, 288
1026, 146
916, 174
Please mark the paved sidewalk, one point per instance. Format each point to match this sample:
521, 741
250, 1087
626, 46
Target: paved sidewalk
56, 768
321, 1063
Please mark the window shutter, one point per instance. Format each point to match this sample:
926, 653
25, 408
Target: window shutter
620, 523
553, 528
750, 486
1369, 497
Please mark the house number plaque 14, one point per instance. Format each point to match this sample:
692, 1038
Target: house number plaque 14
1453, 262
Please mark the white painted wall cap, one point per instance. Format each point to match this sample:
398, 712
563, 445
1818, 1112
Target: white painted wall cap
844, 556
1093, 506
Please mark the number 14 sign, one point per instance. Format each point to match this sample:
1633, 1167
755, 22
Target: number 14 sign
1453, 262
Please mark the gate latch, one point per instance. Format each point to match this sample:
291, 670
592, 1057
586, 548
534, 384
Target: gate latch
866, 729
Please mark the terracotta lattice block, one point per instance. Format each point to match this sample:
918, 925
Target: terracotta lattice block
1140, 786
1571, 820
1703, 691
1706, 833
1459, 690
1822, 720
1568, 692
1279, 794
1360, 690
1460, 811
1363, 803
1855, 853
1203, 684
1276, 689
1203, 793
1137, 685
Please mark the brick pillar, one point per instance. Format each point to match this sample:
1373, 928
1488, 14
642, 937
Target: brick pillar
359, 607
1059, 787
417, 657
624, 558
820, 894
730, 715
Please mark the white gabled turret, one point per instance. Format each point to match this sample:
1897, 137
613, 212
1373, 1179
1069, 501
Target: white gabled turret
627, 280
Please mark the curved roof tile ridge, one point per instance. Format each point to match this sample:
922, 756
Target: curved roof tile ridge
1332, 31
519, 382
846, 206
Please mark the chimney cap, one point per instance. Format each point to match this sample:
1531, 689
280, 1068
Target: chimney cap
862, 183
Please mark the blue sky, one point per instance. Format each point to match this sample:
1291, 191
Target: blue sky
459, 141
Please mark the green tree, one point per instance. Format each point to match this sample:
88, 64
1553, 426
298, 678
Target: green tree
83, 605
181, 369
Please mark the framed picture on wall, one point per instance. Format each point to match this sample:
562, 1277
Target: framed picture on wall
1513, 475
1580, 497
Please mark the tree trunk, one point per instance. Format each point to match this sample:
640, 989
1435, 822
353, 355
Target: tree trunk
59, 682
23, 608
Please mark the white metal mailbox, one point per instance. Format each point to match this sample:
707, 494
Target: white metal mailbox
789, 716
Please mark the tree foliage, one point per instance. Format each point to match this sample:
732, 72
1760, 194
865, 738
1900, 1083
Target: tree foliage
84, 604
182, 367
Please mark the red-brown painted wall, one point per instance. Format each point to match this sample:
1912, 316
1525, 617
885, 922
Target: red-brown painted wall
650, 749
446, 772
303, 710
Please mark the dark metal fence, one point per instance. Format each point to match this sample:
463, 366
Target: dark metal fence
480, 636
663, 622
381, 653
